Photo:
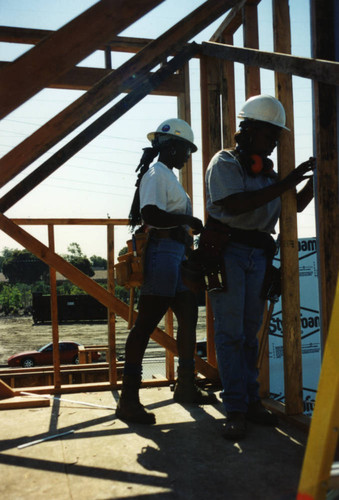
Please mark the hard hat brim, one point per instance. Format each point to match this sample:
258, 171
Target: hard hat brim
151, 137
247, 117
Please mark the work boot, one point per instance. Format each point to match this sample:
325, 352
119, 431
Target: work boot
235, 427
258, 414
129, 408
186, 390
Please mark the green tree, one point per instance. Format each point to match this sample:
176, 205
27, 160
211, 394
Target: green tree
75, 250
97, 261
10, 299
5, 254
78, 259
21, 266
83, 264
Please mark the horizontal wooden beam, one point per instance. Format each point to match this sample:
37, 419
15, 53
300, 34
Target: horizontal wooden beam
71, 222
30, 36
90, 286
315, 69
83, 78
59, 52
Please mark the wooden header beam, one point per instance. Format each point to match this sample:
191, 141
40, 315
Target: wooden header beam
83, 78
316, 69
71, 222
30, 36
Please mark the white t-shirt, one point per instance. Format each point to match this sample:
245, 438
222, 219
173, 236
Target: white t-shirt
160, 187
226, 176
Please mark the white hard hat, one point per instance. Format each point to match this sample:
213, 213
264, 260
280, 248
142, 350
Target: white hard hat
264, 108
177, 128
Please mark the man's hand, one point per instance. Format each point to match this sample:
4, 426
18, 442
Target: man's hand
298, 174
307, 166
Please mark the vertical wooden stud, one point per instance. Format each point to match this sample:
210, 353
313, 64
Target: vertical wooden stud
211, 143
184, 112
326, 133
54, 314
288, 224
227, 97
111, 353
251, 40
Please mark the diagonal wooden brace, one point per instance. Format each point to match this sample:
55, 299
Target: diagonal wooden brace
91, 287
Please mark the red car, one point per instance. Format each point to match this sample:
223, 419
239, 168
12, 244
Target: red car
44, 356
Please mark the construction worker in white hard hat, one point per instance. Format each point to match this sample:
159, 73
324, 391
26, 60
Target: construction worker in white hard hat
163, 209
243, 205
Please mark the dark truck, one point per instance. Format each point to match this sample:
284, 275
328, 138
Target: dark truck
70, 308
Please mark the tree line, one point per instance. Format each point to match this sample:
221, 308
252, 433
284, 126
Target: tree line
27, 274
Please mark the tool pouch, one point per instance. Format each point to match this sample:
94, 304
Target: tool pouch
271, 289
212, 243
129, 270
204, 268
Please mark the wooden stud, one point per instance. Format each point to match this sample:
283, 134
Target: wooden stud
228, 98
184, 112
288, 225
251, 39
211, 143
54, 313
326, 141
111, 354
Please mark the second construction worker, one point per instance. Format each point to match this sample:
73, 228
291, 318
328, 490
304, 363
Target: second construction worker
243, 203
163, 208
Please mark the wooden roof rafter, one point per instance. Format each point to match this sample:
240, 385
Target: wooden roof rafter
129, 75
59, 52
94, 129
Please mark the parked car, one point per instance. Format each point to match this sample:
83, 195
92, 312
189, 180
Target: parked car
44, 355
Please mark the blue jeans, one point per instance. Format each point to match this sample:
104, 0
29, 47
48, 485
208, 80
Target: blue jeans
163, 267
238, 315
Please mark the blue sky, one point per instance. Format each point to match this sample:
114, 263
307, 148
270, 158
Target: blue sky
100, 179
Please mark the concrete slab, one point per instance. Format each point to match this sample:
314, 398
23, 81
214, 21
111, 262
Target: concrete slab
183, 456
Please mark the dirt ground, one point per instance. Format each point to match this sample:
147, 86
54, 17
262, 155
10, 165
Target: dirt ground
19, 334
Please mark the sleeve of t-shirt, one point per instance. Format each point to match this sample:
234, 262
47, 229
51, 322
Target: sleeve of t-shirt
153, 189
224, 177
